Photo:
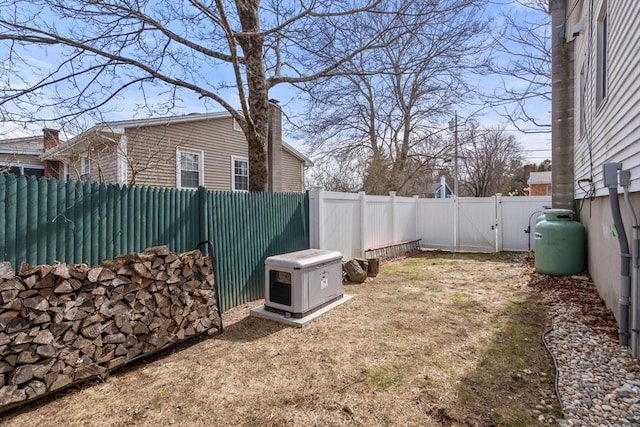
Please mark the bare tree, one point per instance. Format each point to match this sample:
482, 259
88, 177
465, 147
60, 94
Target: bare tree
389, 105
98, 50
6, 162
333, 174
489, 158
146, 155
544, 166
524, 62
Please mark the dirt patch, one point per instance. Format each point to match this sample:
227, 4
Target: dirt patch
435, 340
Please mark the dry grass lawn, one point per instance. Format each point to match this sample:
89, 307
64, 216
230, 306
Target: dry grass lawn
439, 339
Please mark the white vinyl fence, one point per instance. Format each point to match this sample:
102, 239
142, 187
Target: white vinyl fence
355, 222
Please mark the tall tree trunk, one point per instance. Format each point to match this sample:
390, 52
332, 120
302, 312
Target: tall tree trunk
258, 100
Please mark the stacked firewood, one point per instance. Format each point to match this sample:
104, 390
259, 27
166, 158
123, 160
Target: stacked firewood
357, 270
61, 324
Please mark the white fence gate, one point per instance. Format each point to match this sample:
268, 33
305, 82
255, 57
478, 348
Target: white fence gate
353, 223
476, 225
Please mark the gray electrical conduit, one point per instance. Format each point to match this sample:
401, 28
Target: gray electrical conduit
625, 181
610, 172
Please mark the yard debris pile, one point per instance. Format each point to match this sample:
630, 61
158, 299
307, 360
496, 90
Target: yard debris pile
62, 324
580, 291
357, 270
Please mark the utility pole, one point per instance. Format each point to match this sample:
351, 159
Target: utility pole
455, 168
453, 127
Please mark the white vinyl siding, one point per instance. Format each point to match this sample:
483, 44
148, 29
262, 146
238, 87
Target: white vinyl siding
239, 174
612, 128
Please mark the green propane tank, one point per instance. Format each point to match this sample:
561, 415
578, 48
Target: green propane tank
539, 219
559, 244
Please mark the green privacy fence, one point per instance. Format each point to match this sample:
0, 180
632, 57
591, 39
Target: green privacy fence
44, 221
245, 229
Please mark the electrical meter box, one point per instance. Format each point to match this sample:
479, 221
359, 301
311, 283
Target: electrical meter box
299, 283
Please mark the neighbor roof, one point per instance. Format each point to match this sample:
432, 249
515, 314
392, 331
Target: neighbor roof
25, 145
117, 128
539, 178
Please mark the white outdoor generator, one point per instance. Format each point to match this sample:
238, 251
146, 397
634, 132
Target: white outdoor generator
299, 283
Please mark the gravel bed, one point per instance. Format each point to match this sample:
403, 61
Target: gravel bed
598, 382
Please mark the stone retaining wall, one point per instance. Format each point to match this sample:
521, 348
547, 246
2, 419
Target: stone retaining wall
62, 324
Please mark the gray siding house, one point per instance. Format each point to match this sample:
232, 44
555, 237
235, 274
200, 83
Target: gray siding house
180, 152
596, 120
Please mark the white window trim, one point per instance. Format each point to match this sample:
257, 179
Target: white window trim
582, 118
65, 172
85, 168
236, 125
200, 153
602, 52
233, 171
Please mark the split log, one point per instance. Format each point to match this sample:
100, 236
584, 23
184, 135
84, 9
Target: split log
355, 273
6, 271
364, 264
374, 267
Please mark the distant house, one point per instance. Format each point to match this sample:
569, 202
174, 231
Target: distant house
181, 152
437, 190
21, 156
442, 190
539, 183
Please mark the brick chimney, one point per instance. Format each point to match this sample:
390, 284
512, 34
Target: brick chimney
50, 139
274, 147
